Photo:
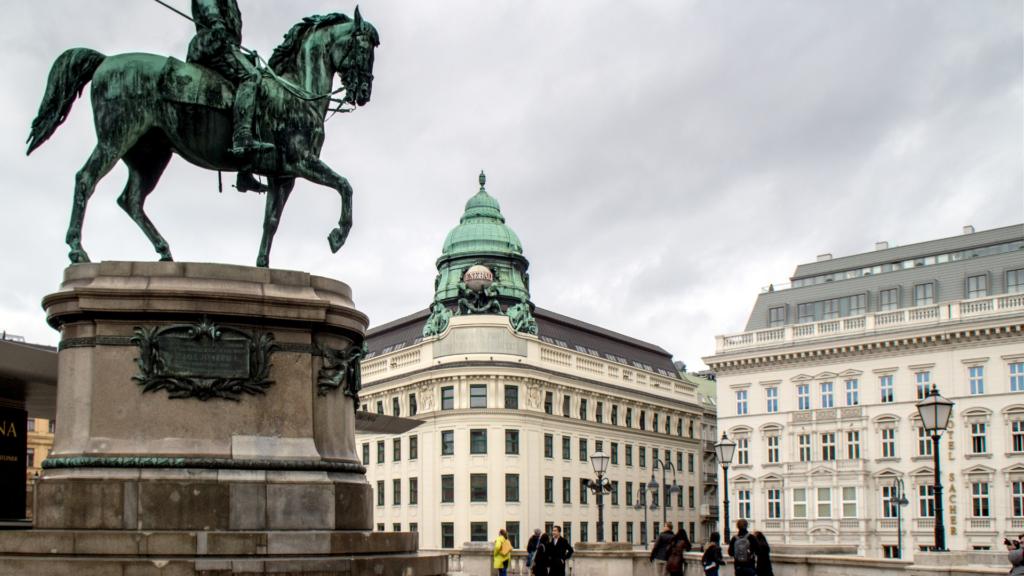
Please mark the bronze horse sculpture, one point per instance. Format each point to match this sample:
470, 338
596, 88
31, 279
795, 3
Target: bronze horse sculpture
148, 107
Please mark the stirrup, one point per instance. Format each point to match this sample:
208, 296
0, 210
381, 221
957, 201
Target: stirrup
254, 147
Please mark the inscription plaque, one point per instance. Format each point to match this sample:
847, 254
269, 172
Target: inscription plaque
206, 358
479, 340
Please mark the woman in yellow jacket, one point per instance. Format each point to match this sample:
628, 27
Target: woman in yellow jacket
502, 552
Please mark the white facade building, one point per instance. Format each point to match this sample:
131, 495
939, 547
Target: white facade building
819, 393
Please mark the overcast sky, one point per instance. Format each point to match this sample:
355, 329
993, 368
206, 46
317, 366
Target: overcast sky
660, 161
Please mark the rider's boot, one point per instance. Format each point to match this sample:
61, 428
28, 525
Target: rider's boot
243, 142
246, 182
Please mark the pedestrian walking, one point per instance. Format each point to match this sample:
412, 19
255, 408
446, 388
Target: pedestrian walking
744, 549
764, 557
680, 545
531, 546
541, 560
502, 552
712, 557
560, 553
660, 551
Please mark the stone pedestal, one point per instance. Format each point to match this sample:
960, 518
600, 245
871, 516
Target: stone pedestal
206, 403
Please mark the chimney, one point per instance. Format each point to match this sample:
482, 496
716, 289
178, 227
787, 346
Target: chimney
968, 229
824, 257
884, 245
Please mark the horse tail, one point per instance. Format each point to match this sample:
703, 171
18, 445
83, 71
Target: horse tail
70, 73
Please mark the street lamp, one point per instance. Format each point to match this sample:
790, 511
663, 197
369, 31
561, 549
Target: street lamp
641, 500
653, 485
603, 486
898, 498
724, 451
934, 411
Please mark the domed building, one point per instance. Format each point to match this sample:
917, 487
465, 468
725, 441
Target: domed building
514, 400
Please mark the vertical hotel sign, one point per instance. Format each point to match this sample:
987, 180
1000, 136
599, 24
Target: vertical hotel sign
13, 428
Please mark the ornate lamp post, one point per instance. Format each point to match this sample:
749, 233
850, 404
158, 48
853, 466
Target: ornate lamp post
724, 451
898, 498
603, 486
934, 411
653, 485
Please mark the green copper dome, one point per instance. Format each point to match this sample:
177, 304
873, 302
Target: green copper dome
482, 228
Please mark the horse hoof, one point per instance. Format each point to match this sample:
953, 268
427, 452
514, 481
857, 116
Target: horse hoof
167, 258
336, 239
262, 262
78, 257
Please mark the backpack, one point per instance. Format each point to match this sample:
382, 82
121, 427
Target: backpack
743, 553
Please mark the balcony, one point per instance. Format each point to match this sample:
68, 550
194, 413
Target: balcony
887, 525
980, 525
874, 322
1015, 525
710, 478
708, 445
709, 510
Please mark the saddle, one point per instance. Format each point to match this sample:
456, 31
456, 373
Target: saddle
195, 84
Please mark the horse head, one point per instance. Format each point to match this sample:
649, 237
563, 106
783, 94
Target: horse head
352, 57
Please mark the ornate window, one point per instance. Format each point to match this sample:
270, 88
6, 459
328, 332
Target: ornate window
773, 449
824, 502
774, 503
1017, 377
977, 378
743, 497
772, 397
885, 384
923, 384
827, 395
924, 442
889, 508
1017, 489
828, 446
804, 441
979, 499
741, 402
742, 451
852, 393
849, 502
803, 397
1017, 436
448, 398
926, 501
888, 443
853, 445
799, 503
478, 441
978, 444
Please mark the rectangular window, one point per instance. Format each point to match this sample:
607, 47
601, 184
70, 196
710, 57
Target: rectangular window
583, 490
824, 502
615, 492
396, 410
629, 417
977, 376
566, 490
380, 452
598, 446
804, 313
414, 447
744, 503
1017, 436
977, 287
799, 503
827, 398
511, 397
679, 460
743, 451
692, 496
629, 532
643, 420
478, 441
380, 407
448, 398
923, 384
478, 487
414, 527
853, 445
565, 406
414, 491
549, 446
890, 509
828, 446
979, 499
566, 448
629, 454
583, 409
615, 531
690, 463
1017, 377
511, 487
885, 384
830, 309
511, 441
629, 493
584, 531
772, 397
30, 457
926, 501
512, 529
599, 413
776, 317
380, 493
773, 449
849, 502
53, 426
924, 442
413, 408
583, 449
857, 305
478, 395
804, 440
366, 454
741, 402
548, 403
567, 531
774, 503
615, 415
1015, 281
643, 457
448, 488
888, 443
888, 300
615, 454
447, 442
852, 393
978, 445
447, 535
478, 532
923, 295
803, 397
1017, 489
396, 450
549, 490
396, 491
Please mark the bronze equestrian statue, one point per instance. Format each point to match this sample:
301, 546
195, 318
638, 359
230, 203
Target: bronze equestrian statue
148, 107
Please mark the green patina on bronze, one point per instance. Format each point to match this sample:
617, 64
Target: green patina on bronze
341, 367
52, 463
438, 320
219, 111
521, 318
203, 360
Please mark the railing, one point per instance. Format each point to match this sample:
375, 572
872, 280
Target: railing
1015, 524
979, 524
887, 524
555, 356
925, 524
868, 323
709, 510
773, 524
405, 359
710, 478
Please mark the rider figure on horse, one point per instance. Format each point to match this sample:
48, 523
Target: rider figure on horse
217, 45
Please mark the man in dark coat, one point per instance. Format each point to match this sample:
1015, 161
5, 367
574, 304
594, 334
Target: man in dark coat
744, 553
660, 551
561, 551
531, 546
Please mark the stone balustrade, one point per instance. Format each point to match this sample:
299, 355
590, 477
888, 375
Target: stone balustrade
935, 314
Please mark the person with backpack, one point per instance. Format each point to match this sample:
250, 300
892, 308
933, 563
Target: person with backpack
764, 558
679, 546
502, 552
744, 549
659, 553
712, 557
